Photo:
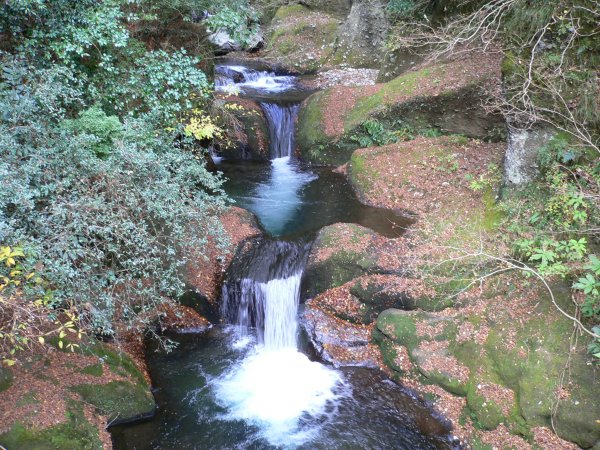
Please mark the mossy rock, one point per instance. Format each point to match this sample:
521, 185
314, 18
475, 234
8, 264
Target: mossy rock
427, 101
252, 142
75, 433
6, 378
400, 327
340, 253
389, 351
338, 8
362, 37
118, 362
487, 414
301, 39
120, 401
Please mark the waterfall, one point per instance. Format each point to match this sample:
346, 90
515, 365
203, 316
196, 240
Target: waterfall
266, 293
275, 387
281, 120
232, 78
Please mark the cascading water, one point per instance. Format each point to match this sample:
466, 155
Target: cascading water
281, 120
239, 78
248, 385
276, 385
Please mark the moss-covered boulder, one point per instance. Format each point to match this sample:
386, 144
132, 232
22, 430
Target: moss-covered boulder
341, 252
63, 400
513, 362
249, 130
76, 432
120, 401
205, 268
338, 8
301, 39
443, 98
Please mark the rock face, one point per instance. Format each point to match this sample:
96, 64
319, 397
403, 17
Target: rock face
521, 160
505, 359
338, 8
204, 274
362, 37
444, 98
301, 39
249, 131
224, 43
339, 342
341, 253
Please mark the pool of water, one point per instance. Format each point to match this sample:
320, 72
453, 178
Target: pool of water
211, 393
291, 200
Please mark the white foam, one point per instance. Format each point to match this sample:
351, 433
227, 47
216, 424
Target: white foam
275, 389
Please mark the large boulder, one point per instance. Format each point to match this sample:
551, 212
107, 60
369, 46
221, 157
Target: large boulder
248, 129
62, 399
205, 270
443, 98
301, 39
343, 252
337, 341
514, 363
361, 39
522, 153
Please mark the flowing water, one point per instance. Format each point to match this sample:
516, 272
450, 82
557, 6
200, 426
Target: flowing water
255, 384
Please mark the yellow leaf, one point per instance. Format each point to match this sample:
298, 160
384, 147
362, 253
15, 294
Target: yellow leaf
60, 344
41, 339
9, 362
10, 262
62, 334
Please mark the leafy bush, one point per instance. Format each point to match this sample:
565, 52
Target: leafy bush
99, 127
100, 186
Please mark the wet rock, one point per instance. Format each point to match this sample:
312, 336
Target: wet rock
339, 342
521, 159
205, 271
248, 129
341, 252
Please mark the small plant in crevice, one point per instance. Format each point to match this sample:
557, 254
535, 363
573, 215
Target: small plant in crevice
373, 133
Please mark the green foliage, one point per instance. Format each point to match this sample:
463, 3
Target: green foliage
101, 186
101, 129
374, 133
551, 223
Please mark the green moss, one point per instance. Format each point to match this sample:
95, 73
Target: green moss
117, 362
6, 378
399, 326
75, 433
93, 369
288, 11
366, 106
487, 414
28, 399
119, 400
310, 133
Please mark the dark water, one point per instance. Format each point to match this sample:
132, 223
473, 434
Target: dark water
301, 201
373, 414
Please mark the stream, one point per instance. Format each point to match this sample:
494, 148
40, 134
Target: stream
254, 382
